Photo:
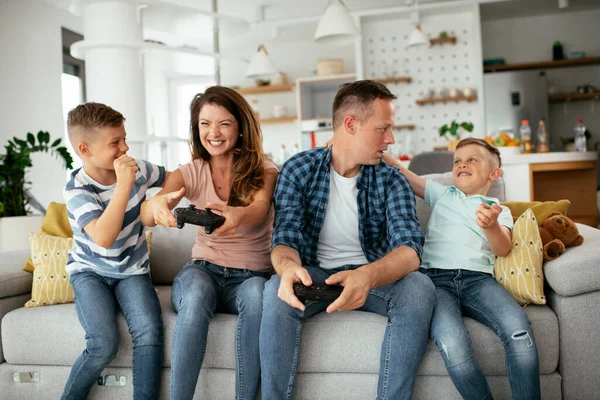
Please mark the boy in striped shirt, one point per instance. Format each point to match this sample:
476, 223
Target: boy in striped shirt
108, 264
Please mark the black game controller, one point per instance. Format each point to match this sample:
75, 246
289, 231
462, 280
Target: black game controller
206, 218
317, 292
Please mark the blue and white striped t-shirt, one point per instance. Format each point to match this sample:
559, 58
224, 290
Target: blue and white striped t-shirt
86, 201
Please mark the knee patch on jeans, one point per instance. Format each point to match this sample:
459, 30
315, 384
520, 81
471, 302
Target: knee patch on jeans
522, 335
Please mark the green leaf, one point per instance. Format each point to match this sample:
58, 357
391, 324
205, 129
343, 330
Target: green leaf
56, 142
40, 137
20, 142
46, 137
31, 138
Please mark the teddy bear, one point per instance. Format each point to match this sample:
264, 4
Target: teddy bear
558, 232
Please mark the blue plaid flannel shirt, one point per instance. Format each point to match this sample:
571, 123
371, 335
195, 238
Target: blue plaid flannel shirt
387, 216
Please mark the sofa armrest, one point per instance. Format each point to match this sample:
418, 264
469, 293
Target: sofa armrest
577, 270
13, 280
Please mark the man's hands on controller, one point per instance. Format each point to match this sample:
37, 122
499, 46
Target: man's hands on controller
293, 274
356, 285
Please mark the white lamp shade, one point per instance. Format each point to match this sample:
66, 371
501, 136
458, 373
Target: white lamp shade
336, 25
417, 37
261, 65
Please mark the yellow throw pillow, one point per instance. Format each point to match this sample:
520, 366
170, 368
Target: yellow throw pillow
50, 279
56, 223
540, 209
520, 271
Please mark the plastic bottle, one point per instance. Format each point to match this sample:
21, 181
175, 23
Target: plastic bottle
543, 145
525, 133
580, 139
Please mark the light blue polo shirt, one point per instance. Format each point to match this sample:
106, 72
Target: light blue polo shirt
453, 239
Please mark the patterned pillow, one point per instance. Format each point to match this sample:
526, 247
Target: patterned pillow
520, 271
50, 279
49, 255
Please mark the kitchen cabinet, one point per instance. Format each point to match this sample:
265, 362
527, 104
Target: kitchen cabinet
555, 176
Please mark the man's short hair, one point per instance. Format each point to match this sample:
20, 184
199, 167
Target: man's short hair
492, 150
356, 98
83, 121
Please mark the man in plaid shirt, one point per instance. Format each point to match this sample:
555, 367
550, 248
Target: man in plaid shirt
343, 217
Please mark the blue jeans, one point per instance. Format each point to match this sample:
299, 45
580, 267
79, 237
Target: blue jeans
200, 289
96, 301
479, 296
407, 303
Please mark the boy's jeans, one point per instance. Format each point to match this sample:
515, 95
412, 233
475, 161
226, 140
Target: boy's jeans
197, 290
479, 296
96, 301
407, 303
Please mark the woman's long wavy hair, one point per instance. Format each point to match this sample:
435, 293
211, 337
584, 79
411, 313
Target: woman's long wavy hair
248, 157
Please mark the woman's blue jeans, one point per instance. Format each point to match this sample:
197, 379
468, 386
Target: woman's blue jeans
96, 301
479, 296
200, 289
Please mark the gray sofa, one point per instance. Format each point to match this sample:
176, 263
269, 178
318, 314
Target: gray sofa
340, 352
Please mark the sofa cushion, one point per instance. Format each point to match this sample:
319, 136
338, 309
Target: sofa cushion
520, 271
13, 280
51, 285
55, 223
171, 250
340, 342
576, 270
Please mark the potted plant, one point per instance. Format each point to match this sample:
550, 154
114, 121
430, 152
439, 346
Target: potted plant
13, 184
452, 132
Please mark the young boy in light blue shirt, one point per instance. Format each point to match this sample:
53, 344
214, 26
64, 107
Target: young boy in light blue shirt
465, 233
108, 264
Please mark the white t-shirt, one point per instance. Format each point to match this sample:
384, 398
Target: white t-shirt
339, 243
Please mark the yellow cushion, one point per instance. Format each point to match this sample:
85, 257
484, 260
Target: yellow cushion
540, 209
520, 271
50, 279
56, 223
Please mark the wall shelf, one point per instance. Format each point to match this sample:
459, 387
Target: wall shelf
542, 64
282, 120
442, 40
446, 99
285, 87
406, 127
395, 79
560, 97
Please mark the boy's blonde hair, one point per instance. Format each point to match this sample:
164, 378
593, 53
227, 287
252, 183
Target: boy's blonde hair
83, 121
492, 150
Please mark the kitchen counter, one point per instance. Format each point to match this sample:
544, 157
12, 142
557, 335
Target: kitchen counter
554, 157
555, 176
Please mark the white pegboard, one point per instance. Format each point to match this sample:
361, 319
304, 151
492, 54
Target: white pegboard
447, 66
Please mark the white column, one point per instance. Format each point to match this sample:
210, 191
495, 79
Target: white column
114, 70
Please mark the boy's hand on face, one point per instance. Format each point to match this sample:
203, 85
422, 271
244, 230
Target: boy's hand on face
487, 216
125, 169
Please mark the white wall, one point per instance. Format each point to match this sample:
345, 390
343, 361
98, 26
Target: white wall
530, 39
30, 83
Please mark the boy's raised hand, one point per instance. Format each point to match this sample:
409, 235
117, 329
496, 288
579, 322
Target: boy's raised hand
125, 169
487, 216
161, 206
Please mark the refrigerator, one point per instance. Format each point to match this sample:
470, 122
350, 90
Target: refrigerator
513, 96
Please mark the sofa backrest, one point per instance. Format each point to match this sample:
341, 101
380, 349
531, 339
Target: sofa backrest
423, 211
172, 247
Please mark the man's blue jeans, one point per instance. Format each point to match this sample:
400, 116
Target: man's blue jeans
96, 301
479, 296
407, 303
200, 289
